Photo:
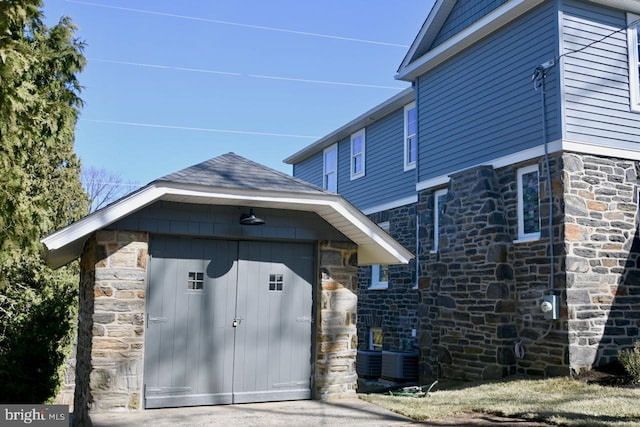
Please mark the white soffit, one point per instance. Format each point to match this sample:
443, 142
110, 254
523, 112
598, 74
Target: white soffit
375, 246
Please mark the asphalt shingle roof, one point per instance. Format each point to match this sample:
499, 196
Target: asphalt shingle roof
233, 171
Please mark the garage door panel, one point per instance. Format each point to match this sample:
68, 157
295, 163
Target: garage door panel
275, 345
193, 353
189, 350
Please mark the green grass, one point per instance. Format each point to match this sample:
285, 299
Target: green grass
560, 401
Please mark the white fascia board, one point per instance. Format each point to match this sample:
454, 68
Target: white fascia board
429, 28
511, 159
381, 238
501, 16
102, 218
376, 113
333, 208
623, 152
349, 221
626, 5
391, 205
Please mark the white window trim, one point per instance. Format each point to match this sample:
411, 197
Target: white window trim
632, 46
405, 145
359, 134
375, 269
371, 333
522, 236
436, 218
333, 147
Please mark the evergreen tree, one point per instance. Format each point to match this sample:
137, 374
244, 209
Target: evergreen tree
40, 191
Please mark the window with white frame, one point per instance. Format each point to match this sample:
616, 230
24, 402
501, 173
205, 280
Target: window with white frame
330, 169
439, 202
380, 273
529, 203
375, 338
410, 136
633, 40
357, 154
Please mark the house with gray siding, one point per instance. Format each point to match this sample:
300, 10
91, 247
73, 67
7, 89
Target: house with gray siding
511, 169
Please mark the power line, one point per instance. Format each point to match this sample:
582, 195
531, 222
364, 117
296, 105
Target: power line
165, 67
240, 132
199, 70
291, 79
238, 24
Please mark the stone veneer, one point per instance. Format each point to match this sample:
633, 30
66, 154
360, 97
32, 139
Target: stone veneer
110, 353
480, 293
603, 257
336, 334
393, 309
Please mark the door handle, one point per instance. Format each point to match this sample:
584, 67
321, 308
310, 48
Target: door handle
237, 321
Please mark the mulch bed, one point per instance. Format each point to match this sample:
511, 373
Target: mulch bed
612, 375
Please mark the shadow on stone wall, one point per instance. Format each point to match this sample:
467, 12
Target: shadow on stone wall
622, 325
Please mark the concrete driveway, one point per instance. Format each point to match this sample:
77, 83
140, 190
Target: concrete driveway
305, 413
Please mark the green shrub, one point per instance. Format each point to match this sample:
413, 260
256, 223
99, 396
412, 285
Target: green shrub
630, 361
37, 312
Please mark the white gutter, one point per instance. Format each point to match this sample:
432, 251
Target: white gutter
374, 245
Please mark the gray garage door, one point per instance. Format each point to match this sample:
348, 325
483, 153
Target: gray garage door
227, 322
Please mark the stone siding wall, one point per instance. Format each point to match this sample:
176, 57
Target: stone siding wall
336, 334
393, 309
110, 323
82, 395
480, 293
603, 257
475, 295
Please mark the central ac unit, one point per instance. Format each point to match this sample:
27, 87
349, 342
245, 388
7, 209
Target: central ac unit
369, 363
400, 366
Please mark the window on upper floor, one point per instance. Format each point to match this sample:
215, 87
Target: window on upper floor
410, 136
528, 203
380, 273
439, 202
633, 40
330, 169
357, 154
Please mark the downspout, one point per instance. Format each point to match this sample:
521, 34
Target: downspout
416, 89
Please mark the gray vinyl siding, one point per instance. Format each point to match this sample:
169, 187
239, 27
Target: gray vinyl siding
188, 219
310, 169
463, 14
596, 80
385, 179
481, 104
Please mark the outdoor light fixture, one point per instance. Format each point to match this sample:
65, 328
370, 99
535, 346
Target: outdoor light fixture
251, 219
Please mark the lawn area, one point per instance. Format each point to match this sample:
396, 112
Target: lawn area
560, 401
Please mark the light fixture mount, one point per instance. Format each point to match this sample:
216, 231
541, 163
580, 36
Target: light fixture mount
251, 219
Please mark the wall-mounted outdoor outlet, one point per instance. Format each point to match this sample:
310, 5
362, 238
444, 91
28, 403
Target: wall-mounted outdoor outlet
413, 333
550, 306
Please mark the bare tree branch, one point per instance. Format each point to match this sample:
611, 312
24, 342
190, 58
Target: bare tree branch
104, 187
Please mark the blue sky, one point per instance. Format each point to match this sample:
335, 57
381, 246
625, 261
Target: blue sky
173, 83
